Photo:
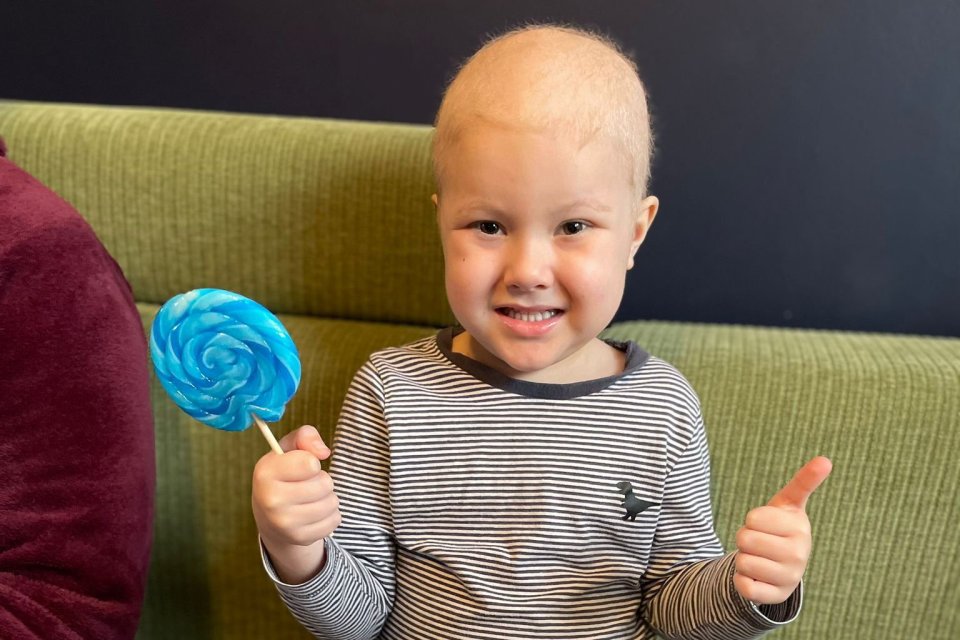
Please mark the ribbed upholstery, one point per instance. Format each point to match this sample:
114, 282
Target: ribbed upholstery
329, 224
314, 217
886, 410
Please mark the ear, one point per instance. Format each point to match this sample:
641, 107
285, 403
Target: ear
647, 211
436, 206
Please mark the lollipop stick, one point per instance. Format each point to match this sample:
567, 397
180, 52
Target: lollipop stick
265, 430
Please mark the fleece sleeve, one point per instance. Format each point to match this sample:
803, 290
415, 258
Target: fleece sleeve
76, 433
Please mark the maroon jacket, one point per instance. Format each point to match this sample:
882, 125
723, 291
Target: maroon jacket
76, 430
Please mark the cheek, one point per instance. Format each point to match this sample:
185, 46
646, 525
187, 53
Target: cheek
599, 281
455, 272
465, 276
604, 268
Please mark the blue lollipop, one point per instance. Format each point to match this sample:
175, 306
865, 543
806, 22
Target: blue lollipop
225, 360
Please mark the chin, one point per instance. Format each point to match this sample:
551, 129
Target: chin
531, 364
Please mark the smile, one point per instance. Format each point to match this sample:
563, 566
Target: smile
535, 316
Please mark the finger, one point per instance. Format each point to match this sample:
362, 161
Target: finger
306, 528
294, 466
758, 592
803, 484
289, 441
771, 547
777, 521
311, 491
764, 570
321, 529
308, 439
282, 494
304, 515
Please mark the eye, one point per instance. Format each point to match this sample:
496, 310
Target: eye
573, 227
489, 227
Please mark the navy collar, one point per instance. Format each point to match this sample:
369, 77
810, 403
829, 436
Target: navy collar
636, 357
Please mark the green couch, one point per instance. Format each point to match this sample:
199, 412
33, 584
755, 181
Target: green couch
330, 224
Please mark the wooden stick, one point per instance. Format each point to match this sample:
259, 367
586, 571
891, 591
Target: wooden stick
265, 430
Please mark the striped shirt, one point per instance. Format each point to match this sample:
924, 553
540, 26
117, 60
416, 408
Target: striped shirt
479, 506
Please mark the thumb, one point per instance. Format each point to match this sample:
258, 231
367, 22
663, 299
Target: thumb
308, 439
803, 484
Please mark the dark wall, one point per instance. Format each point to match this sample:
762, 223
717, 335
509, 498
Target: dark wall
808, 153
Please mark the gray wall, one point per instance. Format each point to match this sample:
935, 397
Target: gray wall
808, 152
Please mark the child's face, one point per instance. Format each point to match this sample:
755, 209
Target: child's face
537, 235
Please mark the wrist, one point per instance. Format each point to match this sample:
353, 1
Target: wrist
295, 564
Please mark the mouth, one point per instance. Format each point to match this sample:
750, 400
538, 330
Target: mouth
538, 315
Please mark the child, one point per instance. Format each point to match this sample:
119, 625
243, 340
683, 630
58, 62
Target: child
520, 477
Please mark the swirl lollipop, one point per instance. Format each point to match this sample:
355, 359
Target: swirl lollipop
225, 360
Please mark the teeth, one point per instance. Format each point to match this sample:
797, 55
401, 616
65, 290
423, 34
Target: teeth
530, 317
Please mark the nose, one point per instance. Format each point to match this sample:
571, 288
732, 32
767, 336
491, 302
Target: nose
530, 263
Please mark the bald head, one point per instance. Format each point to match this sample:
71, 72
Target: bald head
555, 80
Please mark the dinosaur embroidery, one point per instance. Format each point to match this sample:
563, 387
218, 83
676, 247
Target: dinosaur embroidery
634, 505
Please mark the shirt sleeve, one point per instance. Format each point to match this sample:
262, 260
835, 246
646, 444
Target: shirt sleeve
352, 595
688, 588
76, 435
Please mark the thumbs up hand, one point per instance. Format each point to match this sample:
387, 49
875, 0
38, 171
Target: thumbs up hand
774, 544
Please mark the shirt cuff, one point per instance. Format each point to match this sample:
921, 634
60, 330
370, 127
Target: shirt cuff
784, 612
317, 582
767, 616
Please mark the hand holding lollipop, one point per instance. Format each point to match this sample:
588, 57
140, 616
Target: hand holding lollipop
225, 360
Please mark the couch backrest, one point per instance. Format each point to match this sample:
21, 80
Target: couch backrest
275, 208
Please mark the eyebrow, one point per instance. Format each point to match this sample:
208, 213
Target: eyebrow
586, 202
478, 205
590, 203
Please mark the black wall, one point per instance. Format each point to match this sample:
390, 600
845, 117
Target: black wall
808, 158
